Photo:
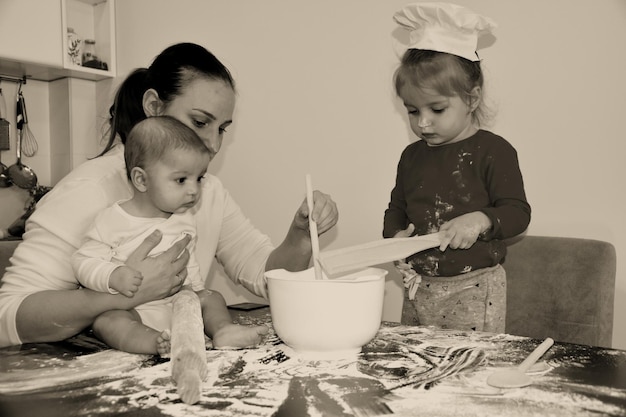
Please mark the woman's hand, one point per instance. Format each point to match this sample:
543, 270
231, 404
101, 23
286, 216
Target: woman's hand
325, 213
163, 275
294, 253
463, 231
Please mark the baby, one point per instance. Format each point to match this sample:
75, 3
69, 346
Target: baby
165, 163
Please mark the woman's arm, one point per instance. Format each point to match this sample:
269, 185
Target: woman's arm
294, 253
54, 315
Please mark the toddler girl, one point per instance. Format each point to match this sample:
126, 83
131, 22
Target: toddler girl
458, 179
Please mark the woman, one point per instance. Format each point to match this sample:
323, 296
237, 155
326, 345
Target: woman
40, 300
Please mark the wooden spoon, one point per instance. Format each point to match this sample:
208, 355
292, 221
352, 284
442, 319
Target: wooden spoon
376, 252
315, 244
516, 377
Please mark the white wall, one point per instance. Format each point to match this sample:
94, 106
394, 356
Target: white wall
315, 96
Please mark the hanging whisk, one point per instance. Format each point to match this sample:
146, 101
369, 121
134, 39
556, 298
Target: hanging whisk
29, 143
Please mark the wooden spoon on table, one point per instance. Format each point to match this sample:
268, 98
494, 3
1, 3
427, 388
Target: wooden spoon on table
516, 377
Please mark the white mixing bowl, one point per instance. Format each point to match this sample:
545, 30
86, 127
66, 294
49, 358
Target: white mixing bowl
327, 318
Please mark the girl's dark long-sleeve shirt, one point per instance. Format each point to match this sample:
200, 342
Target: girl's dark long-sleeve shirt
437, 184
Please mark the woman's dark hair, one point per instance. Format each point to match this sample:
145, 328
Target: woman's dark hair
168, 74
445, 73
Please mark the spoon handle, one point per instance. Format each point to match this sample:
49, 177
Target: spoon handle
315, 244
535, 355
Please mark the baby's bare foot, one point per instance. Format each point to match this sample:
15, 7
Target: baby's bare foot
236, 336
164, 345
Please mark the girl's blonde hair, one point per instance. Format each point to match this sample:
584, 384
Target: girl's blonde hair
448, 74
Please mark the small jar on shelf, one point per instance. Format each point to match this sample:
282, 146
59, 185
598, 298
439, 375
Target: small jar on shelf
89, 51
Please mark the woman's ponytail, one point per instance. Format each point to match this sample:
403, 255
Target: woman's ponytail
127, 109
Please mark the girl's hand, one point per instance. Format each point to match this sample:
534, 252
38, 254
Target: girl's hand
463, 231
125, 280
408, 232
163, 275
325, 213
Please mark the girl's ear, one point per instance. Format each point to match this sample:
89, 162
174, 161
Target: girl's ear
139, 179
152, 104
475, 96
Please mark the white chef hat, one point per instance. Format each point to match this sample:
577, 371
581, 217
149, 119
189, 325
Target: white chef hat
444, 27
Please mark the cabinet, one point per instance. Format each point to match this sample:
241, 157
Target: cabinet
34, 37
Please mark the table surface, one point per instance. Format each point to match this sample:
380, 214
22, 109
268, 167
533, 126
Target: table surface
409, 371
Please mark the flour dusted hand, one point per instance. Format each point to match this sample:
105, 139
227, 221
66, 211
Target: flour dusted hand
463, 231
408, 232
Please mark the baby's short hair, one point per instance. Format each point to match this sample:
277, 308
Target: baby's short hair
152, 138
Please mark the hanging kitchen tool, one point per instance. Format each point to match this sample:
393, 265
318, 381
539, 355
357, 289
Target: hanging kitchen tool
4, 141
5, 182
18, 173
29, 143
4, 125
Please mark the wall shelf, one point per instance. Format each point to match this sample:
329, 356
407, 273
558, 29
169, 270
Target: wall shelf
45, 57
43, 72
91, 19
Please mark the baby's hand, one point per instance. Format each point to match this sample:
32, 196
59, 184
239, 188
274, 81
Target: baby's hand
125, 280
463, 231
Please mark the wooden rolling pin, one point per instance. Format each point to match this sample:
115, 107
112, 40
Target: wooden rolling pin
188, 352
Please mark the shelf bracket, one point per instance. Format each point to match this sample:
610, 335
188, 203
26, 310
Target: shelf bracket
13, 79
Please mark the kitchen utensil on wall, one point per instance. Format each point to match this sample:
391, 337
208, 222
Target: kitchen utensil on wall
4, 125
18, 173
4, 141
29, 143
5, 182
